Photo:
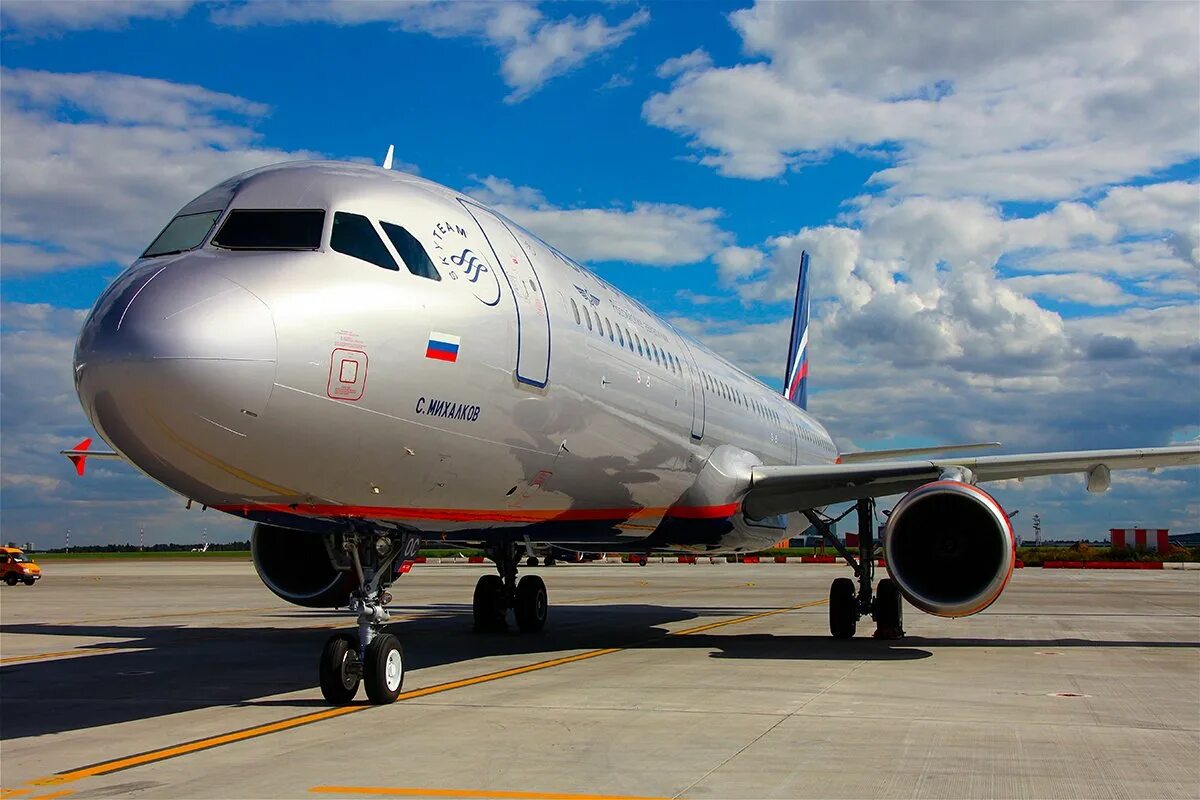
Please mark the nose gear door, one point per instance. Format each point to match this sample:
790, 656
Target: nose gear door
533, 318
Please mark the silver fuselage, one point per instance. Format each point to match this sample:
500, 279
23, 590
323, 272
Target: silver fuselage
296, 387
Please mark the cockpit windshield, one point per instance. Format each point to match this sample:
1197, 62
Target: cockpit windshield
185, 232
254, 229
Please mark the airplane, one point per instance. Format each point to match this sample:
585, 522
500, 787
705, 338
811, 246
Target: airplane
360, 360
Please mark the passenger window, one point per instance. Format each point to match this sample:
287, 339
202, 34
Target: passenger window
620, 335
575, 308
587, 317
411, 252
354, 235
608, 327
638, 339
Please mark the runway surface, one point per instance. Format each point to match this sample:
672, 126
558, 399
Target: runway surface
185, 680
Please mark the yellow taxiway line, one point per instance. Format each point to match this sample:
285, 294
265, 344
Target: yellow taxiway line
207, 743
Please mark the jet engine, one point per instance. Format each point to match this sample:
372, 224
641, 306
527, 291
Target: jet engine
950, 548
296, 566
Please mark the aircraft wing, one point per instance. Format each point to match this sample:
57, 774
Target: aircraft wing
778, 490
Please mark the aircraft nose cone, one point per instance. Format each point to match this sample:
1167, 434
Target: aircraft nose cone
175, 358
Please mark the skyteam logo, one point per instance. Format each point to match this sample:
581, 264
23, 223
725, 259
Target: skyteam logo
442, 347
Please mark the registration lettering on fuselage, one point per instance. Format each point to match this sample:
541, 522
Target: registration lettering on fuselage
447, 409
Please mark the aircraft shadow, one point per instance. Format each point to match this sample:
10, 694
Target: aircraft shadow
179, 669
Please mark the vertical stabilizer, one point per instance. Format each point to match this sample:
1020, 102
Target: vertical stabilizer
795, 387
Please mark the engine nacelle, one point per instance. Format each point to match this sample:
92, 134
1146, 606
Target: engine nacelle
950, 548
295, 565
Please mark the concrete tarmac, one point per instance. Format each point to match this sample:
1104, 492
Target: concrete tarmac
190, 680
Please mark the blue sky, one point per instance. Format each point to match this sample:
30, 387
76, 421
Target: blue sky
1001, 200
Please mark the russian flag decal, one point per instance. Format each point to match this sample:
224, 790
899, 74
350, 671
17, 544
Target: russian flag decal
442, 346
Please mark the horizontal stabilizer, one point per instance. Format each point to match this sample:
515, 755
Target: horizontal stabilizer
877, 455
80, 453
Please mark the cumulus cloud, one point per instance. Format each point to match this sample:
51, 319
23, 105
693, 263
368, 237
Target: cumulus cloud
534, 47
96, 163
654, 234
996, 100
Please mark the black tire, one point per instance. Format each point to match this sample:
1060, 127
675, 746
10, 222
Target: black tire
531, 561
383, 670
488, 604
340, 673
549, 561
889, 607
10, 579
30, 581
533, 604
843, 608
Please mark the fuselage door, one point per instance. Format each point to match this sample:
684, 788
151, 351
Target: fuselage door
697, 393
533, 318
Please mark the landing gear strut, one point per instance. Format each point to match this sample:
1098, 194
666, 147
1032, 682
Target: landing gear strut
496, 594
846, 604
372, 657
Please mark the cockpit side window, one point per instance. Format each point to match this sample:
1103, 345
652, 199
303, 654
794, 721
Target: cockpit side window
185, 232
354, 235
411, 252
269, 229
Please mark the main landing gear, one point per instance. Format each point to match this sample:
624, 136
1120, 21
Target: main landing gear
847, 604
496, 594
373, 658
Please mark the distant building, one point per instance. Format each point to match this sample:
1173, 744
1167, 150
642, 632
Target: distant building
809, 537
1140, 538
1186, 539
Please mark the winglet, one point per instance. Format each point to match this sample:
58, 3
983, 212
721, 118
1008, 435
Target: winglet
795, 386
387, 160
79, 459
80, 453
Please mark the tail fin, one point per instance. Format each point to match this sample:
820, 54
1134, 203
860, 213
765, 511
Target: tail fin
796, 378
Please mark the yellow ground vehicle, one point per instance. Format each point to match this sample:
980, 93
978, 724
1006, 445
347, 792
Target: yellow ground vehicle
16, 566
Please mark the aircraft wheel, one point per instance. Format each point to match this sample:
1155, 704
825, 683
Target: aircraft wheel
549, 561
383, 671
533, 604
843, 608
531, 562
488, 604
340, 669
888, 610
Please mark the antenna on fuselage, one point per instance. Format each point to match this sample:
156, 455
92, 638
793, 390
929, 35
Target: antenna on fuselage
387, 160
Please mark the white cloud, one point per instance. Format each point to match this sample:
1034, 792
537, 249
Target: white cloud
51, 17
534, 48
1080, 288
96, 184
737, 263
654, 234
995, 100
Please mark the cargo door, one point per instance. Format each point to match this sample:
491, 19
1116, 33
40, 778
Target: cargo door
533, 318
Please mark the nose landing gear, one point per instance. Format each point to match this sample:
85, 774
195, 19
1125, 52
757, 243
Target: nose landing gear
846, 605
496, 594
373, 657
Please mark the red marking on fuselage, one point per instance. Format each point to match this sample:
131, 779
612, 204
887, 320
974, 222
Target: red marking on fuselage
485, 514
